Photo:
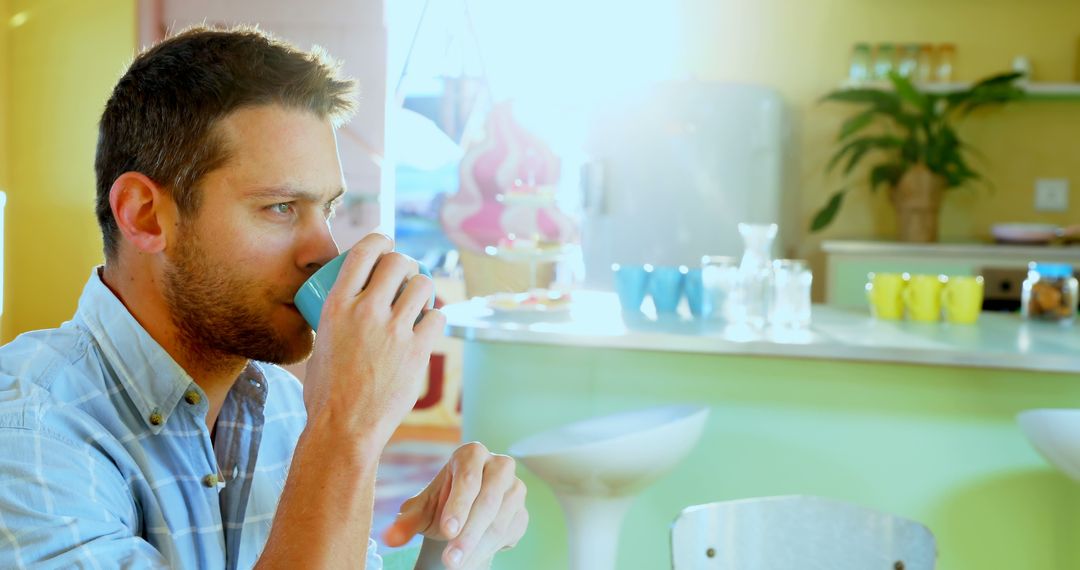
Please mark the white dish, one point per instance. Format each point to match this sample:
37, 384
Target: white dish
530, 254
1025, 233
536, 302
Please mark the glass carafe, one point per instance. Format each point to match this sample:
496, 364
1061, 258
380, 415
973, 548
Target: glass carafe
755, 273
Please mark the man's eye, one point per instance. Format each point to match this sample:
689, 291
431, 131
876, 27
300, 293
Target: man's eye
282, 208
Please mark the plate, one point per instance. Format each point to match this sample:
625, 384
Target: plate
534, 302
1025, 233
525, 253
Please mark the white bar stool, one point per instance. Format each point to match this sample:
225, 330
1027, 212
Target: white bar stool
598, 466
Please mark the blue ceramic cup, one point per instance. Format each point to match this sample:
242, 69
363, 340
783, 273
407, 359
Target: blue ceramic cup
312, 294
700, 304
631, 283
666, 288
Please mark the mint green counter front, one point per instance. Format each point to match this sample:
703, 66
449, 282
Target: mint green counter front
916, 420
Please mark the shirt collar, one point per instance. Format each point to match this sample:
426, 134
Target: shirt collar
153, 380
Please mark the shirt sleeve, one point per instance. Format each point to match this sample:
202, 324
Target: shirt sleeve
63, 507
374, 561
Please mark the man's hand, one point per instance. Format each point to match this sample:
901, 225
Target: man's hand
366, 372
476, 504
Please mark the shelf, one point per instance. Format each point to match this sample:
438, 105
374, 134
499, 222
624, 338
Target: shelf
533, 255
1037, 90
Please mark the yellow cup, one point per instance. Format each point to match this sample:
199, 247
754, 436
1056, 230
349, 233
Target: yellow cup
883, 291
962, 299
922, 297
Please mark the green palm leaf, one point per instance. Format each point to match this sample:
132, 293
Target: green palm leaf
825, 216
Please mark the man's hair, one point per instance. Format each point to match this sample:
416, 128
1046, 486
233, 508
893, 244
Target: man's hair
160, 119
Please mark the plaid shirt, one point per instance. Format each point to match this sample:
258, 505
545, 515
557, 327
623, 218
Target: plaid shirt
106, 460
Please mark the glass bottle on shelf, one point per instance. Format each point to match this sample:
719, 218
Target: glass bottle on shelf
908, 60
943, 72
924, 68
1050, 293
884, 60
859, 67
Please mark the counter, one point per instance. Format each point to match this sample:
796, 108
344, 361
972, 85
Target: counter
1003, 266
916, 420
595, 320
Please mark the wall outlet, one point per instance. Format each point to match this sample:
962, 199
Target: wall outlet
1052, 194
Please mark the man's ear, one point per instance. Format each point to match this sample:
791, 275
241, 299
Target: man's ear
144, 212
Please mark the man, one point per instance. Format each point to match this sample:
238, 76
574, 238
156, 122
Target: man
150, 430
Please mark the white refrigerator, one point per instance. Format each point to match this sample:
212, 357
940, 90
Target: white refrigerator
672, 172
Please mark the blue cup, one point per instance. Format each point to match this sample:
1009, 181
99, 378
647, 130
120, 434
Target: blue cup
666, 288
312, 294
700, 304
631, 282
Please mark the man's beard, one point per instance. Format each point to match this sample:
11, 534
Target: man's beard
218, 314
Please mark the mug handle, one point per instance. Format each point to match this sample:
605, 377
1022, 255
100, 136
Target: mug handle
947, 295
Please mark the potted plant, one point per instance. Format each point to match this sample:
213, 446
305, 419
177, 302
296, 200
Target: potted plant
919, 155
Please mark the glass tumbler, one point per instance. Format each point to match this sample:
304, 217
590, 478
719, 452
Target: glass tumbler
719, 276
790, 307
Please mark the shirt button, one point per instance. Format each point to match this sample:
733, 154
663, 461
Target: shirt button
192, 397
155, 418
210, 480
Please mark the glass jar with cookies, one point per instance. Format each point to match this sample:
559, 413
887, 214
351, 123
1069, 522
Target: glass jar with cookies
1050, 293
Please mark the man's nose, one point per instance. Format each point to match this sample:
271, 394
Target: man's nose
319, 247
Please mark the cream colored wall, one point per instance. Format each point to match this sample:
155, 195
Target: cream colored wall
61, 63
801, 47
63, 60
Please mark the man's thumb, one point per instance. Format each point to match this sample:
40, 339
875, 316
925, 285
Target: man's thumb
406, 525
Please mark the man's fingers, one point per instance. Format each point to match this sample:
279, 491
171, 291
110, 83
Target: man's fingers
492, 543
480, 541
409, 521
431, 327
413, 299
466, 477
517, 529
357, 267
490, 503
391, 273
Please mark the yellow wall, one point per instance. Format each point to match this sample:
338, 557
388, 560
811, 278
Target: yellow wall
4, 113
63, 61
802, 47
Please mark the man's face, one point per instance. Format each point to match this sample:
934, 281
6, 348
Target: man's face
260, 231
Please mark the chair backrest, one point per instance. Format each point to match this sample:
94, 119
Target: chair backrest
798, 533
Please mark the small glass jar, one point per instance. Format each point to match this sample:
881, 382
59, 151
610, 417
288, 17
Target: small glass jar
946, 60
859, 67
1050, 292
908, 60
924, 70
884, 61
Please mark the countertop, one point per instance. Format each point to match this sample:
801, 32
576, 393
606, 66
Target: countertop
595, 320
1055, 252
